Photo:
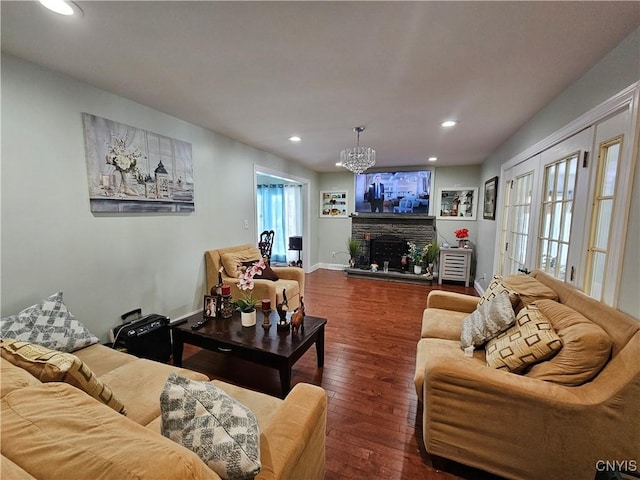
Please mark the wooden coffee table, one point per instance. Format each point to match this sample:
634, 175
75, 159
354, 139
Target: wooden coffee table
271, 347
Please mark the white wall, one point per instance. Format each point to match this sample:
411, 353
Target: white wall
447, 177
616, 71
110, 264
333, 232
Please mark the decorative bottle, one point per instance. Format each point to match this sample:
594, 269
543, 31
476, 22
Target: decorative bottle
216, 292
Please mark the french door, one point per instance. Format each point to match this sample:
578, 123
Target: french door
565, 210
539, 209
518, 217
563, 198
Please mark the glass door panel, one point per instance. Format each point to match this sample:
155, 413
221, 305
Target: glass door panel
518, 217
603, 209
557, 205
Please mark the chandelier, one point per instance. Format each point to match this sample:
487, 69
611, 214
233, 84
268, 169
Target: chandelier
358, 159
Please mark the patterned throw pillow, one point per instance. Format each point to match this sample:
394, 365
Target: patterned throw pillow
52, 366
495, 287
531, 340
49, 324
219, 429
487, 321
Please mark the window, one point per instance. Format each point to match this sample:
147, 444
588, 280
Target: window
603, 210
556, 215
518, 234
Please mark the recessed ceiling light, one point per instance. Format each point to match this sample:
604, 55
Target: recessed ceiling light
449, 123
62, 7
338, 164
432, 159
294, 138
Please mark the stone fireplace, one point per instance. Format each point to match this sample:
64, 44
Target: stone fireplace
384, 236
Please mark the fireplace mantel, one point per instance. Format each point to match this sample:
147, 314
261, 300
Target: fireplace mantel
395, 217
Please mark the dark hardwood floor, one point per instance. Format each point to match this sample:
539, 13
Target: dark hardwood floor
373, 426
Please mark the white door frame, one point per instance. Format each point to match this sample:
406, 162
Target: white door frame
306, 207
626, 99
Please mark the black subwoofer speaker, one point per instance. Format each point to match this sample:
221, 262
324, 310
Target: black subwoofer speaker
295, 243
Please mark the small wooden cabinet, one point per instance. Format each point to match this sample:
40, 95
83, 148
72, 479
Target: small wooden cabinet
455, 264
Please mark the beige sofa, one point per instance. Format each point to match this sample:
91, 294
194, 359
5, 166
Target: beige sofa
290, 278
518, 426
57, 431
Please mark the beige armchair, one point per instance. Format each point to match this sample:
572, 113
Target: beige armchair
289, 278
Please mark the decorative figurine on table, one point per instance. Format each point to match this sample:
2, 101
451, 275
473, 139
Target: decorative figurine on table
266, 311
282, 309
297, 319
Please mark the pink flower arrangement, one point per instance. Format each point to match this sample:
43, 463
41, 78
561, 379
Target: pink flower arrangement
247, 304
462, 233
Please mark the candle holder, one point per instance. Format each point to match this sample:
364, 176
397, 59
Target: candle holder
227, 306
266, 322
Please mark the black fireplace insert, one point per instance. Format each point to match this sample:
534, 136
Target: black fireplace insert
388, 248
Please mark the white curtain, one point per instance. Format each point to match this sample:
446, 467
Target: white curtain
293, 216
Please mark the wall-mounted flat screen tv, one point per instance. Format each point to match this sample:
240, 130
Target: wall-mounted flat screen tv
393, 192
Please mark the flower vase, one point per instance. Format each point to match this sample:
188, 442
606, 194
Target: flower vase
125, 188
417, 269
248, 319
462, 243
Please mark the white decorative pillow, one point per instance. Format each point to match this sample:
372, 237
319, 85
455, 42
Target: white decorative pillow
219, 429
531, 340
488, 320
49, 324
496, 286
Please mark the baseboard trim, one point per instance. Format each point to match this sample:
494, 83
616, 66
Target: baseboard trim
331, 266
181, 318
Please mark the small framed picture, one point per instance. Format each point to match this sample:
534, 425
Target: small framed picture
490, 192
210, 306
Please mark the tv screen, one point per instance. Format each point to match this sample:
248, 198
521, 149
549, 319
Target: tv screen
393, 192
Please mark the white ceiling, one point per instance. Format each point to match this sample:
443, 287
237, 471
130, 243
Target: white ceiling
259, 72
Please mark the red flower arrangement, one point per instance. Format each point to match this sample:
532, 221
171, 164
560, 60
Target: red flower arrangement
462, 233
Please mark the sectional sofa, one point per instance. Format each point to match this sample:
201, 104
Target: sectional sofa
54, 430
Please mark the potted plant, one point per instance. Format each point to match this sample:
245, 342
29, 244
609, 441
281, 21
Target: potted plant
432, 252
416, 254
247, 305
353, 247
430, 257
462, 234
